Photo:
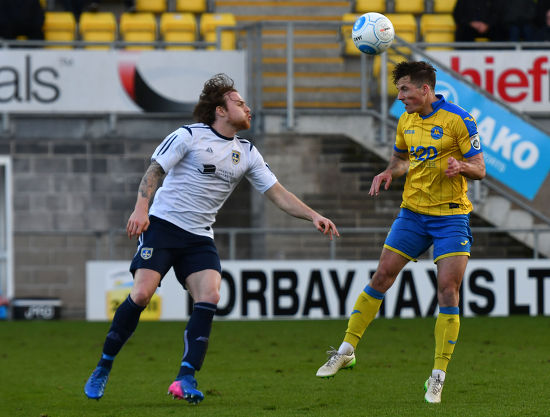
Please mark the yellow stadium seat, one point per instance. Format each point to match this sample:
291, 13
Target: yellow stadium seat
348, 19
439, 24
191, 6
439, 37
138, 27
178, 27
98, 27
151, 6
364, 6
409, 6
209, 22
405, 27
444, 6
59, 26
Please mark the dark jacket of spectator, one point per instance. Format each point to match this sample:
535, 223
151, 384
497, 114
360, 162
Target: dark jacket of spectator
476, 19
21, 18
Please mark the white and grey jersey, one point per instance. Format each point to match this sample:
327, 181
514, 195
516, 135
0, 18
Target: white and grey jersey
203, 168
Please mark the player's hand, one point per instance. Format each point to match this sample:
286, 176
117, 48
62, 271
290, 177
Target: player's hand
325, 226
453, 167
383, 177
137, 223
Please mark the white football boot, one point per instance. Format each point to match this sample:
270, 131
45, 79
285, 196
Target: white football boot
433, 387
335, 362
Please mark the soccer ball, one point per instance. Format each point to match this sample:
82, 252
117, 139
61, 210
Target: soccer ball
372, 33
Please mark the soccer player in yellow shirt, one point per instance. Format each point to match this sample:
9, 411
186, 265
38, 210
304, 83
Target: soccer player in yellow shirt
438, 147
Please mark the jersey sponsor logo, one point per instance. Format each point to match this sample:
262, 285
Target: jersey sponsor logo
207, 169
235, 157
476, 143
409, 132
437, 132
146, 253
209, 150
422, 153
464, 243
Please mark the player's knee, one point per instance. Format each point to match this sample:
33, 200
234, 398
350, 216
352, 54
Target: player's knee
448, 296
382, 279
141, 297
212, 297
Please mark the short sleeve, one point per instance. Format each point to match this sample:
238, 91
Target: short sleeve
259, 174
173, 148
400, 144
468, 136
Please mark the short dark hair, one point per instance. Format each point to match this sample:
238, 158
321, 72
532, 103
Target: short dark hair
212, 96
420, 73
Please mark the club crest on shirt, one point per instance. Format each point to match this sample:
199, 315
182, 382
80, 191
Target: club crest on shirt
235, 157
474, 140
437, 132
146, 253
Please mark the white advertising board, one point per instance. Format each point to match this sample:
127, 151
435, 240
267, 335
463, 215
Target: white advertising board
328, 289
518, 78
86, 81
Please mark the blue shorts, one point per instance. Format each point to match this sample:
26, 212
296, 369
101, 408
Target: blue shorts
164, 245
412, 234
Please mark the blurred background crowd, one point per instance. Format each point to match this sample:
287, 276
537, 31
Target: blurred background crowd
489, 20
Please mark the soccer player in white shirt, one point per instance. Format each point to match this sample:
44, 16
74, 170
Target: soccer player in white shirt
201, 164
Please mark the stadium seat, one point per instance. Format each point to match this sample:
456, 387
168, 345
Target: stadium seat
405, 27
364, 6
191, 6
178, 27
347, 24
59, 26
209, 22
439, 37
444, 6
138, 27
437, 28
151, 6
98, 27
409, 6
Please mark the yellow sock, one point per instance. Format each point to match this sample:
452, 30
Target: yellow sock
447, 326
365, 309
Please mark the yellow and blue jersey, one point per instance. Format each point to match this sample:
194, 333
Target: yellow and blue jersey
430, 140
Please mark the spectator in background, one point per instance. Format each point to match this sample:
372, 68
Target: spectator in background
476, 19
517, 20
79, 6
542, 20
21, 18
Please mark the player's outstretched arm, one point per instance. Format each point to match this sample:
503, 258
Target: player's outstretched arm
292, 205
398, 166
139, 219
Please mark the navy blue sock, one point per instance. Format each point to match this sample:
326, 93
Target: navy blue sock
196, 337
124, 323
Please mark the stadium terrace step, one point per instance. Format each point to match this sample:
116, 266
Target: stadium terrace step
262, 10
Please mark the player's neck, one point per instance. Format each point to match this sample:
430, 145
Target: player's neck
428, 108
224, 129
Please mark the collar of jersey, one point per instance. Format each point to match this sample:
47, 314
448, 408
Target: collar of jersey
219, 134
436, 105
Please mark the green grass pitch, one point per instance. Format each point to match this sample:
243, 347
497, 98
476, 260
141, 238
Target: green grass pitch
501, 367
